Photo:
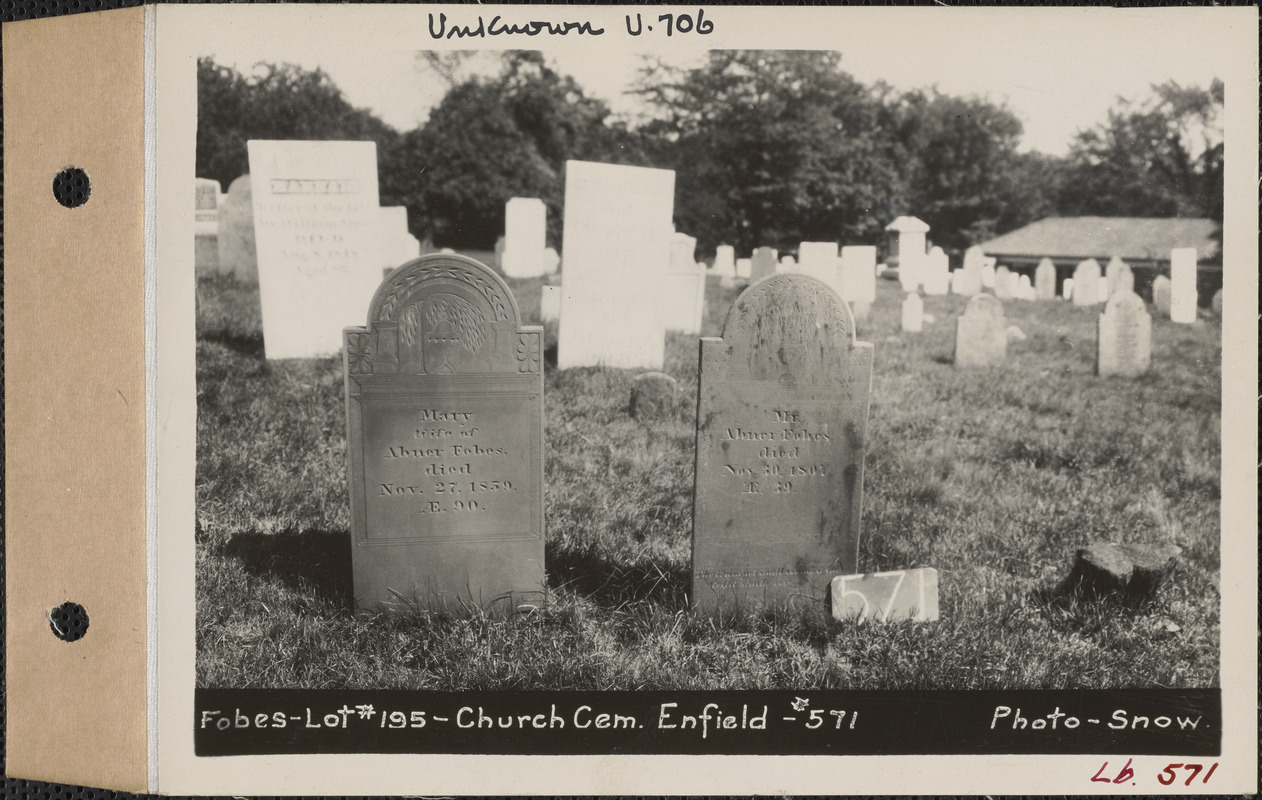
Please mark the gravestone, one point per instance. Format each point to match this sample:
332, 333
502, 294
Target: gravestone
981, 333
725, 261
525, 237
858, 278
549, 303
397, 245
905, 245
316, 227
819, 260
1161, 295
781, 430
681, 297
617, 246
1003, 286
937, 272
653, 396
1112, 273
1216, 302
1087, 283
969, 281
744, 268
763, 263
206, 226
787, 264
1025, 289
1045, 280
683, 251
551, 260
444, 420
988, 276
1102, 291
1123, 337
1183, 285
238, 255
1067, 288
913, 313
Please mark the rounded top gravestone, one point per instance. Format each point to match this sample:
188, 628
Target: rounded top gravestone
653, 395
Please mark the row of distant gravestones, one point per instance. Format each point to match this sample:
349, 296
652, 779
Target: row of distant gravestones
444, 395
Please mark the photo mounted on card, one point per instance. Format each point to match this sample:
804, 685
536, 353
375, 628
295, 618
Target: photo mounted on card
665, 384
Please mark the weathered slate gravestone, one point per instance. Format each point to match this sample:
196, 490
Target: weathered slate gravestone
1123, 337
1045, 280
206, 226
1087, 283
316, 223
781, 430
981, 333
549, 303
1003, 286
937, 272
617, 246
858, 278
763, 263
969, 281
653, 396
238, 254
525, 237
1161, 294
1183, 285
444, 411
913, 313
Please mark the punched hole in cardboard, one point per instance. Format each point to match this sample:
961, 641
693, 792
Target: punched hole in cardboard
68, 621
71, 187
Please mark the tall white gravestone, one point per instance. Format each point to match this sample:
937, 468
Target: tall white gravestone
969, 281
1087, 283
725, 261
617, 245
907, 247
937, 272
397, 245
315, 225
858, 277
1123, 336
819, 260
682, 296
1183, 285
525, 237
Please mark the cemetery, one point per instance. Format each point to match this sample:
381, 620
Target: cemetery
618, 458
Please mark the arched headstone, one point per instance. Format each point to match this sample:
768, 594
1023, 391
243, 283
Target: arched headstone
981, 333
1045, 280
1123, 336
1087, 283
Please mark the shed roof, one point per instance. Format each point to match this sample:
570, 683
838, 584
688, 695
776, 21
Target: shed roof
1133, 238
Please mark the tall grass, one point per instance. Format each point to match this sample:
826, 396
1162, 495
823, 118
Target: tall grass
992, 476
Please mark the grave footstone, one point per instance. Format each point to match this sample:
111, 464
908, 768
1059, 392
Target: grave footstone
1183, 285
937, 272
763, 263
1087, 283
315, 223
617, 245
781, 429
1123, 337
981, 333
550, 303
444, 407
653, 396
969, 281
1045, 280
1132, 572
238, 253
1161, 295
525, 233
913, 313
1003, 286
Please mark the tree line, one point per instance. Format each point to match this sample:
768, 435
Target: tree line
769, 148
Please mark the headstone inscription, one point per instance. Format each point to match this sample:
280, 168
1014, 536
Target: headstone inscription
1161, 294
981, 333
970, 279
1045, 280
206, 226
617, 245
1123, 337
1183, 285
444, 410
913, 313
238, 255
763, 263
525, 234
315, 223
781, 430
1087, 283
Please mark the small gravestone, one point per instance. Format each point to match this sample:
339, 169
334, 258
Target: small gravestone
1045, 280
1025, 289
681, 299
1087, 283
1161, 295
981, 336
1123, 337
1183, 285
238, 255
444, 409
968, 281
819, 260
763, 263
937, 272
653, 396
1216, 302
525, 230
1003, 286
787, 264
913, 313
858, 274
549, 303
781, 430
551, 260
910, 594
744, 268
725, 261
1120, 276
1067, 289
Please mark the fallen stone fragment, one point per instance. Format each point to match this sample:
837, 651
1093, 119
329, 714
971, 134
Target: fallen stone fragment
1131, 571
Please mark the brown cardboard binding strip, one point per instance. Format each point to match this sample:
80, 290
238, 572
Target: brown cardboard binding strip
75, 398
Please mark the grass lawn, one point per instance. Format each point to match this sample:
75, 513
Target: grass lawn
992, 476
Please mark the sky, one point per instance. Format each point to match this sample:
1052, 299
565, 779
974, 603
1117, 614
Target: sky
1059, 76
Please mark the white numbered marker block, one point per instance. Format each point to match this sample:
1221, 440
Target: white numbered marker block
887, 596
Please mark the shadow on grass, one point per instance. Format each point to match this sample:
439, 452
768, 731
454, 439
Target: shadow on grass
610, 583
312, 562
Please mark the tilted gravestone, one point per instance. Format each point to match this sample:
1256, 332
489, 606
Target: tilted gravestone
981, 333
444, 411
913, 313
781, 430
237, 254
763, 263
1161, 294
1123, 337
1045, 280
1087, 283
